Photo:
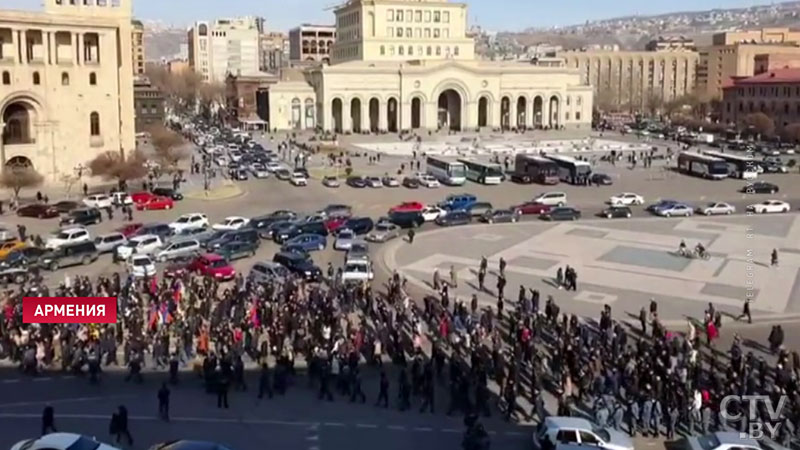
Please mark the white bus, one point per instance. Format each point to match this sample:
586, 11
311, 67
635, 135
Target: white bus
484, 173
451, 173
743, 167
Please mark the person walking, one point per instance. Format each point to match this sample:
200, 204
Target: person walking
48, 420
223, 384
774, 262
411, 234
560, 278
453, 276
383, 391
746, 311
119, 425
163, 402
265, 382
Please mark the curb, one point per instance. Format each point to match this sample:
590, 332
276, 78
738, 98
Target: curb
235, 192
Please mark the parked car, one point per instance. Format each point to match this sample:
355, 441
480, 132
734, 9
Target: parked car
458, 201
267, 271
551, 199
331, 182
335, 210
130, 229
390, 181
299, 179
38, 210
260, 171
561, 213
357, 182
601, 179
82, 216
428, 181
283, 174
770, 206
161, 230
107, 243
146, 244
121, 198
531, 208
68, 236
410, 183
156, 203
238, 174
62, 441
178, 249
189, 222
357, 271
454, 218
653, 208
478, 209
306, 242
573, 430
360, 225
500, 216
98, 201
626, 199
234, 250
432, 212
243, 235
407, 207
721, 440
344, 239
358, 251
299, 264
374, 182
69, 255
212, 265
9, 246
168, 192
66, 206
616, 211
141, 266
678, 209
407, 219
383, 232
716, 208
141, 196
760, 187
231, 223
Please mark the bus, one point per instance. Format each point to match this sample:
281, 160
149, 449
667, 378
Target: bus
701, 165
743, 167
571, 170
452, 173
534, 169
484, 173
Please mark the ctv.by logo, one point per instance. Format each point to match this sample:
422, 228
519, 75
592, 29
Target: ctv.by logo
756, 429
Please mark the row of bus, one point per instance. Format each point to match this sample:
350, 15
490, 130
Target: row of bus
545, 169
718, 165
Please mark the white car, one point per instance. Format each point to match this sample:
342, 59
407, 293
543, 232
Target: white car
716, 208
61, 441
374, 182
626, 199
221, 161
68, 236
145, 244
431, 213
770, 206
344, 239
678, 209
259, 171
357, 270
231, 223
579, 432
98, 201
121, 198
141, 266
298, 179
189, 222
391, 182
272, 166
551, 199
429, 181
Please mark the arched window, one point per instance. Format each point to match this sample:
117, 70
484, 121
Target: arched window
410, 50
401, 50
578, 100
438, 50
6, 78
383, 50
93, 79
64, 79
429, 50
202, 30
569, 100
94, 124
455, 51
36, 79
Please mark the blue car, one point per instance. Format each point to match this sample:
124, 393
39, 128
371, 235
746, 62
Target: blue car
454, 202
661, 204
306, 242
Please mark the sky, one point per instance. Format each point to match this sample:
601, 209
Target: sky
498, 15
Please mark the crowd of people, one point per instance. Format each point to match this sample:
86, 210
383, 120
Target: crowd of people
646, 379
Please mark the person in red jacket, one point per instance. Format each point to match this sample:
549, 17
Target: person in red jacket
711, 332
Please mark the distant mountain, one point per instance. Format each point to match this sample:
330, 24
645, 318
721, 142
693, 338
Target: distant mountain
163, 40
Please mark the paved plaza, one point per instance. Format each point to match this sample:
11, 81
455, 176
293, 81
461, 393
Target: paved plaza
622, 263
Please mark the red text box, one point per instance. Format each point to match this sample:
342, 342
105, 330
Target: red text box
69, 310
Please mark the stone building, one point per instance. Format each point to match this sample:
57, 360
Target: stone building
776, 93
138, 47
426, 77
225, 46
148, 103
66, 84
311, 43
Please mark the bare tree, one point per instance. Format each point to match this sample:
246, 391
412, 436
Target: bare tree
169, 147
791, 132
112, 165
760, 123
69, 181
18, 177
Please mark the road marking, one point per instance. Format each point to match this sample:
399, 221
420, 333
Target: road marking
64, 400
312, 438
423, 429
450, 430
15, 380
514, 433
396, 427
333, 424
365, 425
42, 379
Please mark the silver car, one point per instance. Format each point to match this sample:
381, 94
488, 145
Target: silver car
578, 431
178, 249
383, 232
266, 271
359, 250
109, 242
344, 239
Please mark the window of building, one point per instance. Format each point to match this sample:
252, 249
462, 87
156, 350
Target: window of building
566, 115
408, 32
427, 33
399, 15
93, 79
429, 51
6, 78
436, 33
455, 50
64, 79
391, 50
409, 15
786, 108
94, 124
419, 50
437, 16
578, 116
427, 16
410, 50
741, 107
569, 100
399, 32
390, 15
446, 17
383, 50
417, 16
36, 79
390, 31
438, 51
578, 101
401, 50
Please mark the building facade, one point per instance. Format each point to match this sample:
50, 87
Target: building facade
225, 46
635, 78
311, 43
775, 93
762, 36
66, 84
137, 40
148, 104
767, 62
274, 48
433, 83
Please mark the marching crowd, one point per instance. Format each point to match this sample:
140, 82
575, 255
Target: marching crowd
645, 379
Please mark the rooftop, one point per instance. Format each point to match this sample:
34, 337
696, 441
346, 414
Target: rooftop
787, 75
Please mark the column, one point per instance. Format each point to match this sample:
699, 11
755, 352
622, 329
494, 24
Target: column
78, 48
48, 45
364, 115
15, 45
347, 121
546, 110
23, 35
529, 112
494, 113
469, 116
404, 116
512, 112
383, 122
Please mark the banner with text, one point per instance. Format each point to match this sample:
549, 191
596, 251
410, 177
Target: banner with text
69, 310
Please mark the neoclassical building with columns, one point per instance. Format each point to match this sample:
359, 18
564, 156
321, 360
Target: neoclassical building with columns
66, 84
409, 64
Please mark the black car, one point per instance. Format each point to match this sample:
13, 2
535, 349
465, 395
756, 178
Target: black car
66, 206
454, 218
69, 255
359, 225
28, 255
411, 183
275, 227
315, 227
244, 235
601, 179
83, 216
233, 250
773, 167
238, 174
561, 213
500, 216
300, 264
168, 192
406, 219
760, 187
357, 182
614, 212
161, 230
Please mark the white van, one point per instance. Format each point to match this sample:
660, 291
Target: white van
551, 199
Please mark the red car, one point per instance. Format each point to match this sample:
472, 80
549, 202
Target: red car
212, 265
130, 229
141, 197
408, 207
156, 203
531, 208
334, 223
